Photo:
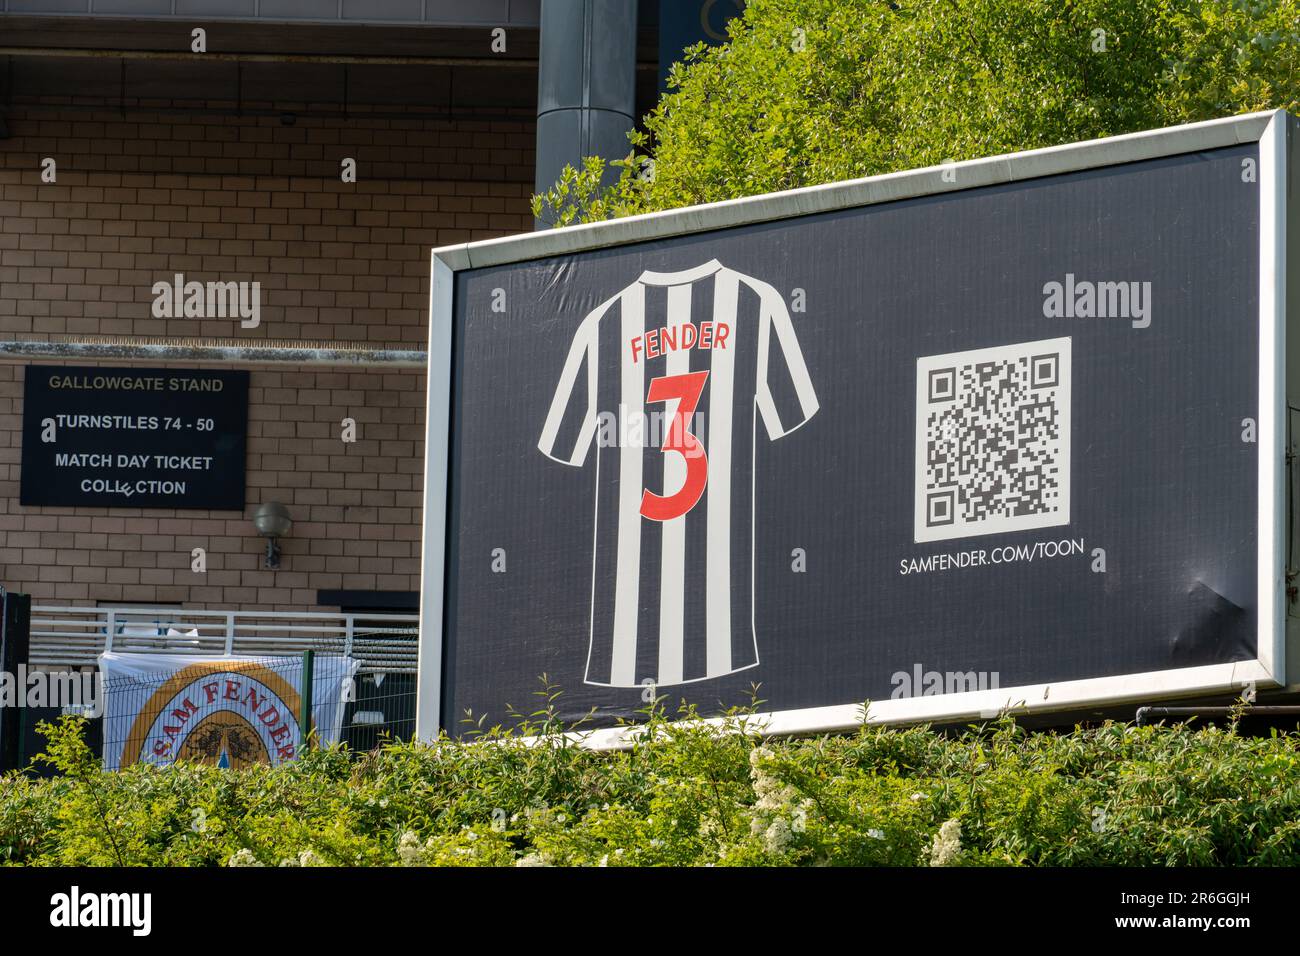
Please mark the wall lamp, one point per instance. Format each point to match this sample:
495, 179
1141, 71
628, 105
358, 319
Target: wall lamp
272, 521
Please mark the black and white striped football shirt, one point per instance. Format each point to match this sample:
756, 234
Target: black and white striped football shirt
669, 379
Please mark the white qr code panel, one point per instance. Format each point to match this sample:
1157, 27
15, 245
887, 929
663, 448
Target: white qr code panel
993, 440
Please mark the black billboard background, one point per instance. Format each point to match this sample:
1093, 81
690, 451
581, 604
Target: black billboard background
219, 487
1161, 479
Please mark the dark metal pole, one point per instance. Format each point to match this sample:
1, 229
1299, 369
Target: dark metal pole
1146, 715
15, 643
304, 697
586, 85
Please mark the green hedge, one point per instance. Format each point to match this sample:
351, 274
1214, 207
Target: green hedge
687, 795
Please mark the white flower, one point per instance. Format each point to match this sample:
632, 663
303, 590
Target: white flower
532, 859
604, 860
876, 834
947, 844
409, 850
778, 812
244, 857
777, 836
304, 858
772, 793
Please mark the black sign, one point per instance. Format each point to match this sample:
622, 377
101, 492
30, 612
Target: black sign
997, 437
134, 437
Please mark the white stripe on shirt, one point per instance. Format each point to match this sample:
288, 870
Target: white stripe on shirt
627, 585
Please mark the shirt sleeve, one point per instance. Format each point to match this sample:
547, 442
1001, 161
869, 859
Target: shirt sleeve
571, 421
785, 394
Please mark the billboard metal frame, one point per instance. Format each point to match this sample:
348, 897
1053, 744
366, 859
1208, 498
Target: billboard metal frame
1274, 131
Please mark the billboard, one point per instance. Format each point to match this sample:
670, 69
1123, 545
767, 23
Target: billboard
1003, 432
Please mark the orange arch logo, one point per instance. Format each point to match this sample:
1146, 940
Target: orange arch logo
224, 713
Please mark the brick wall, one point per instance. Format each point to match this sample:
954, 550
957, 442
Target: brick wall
145, 195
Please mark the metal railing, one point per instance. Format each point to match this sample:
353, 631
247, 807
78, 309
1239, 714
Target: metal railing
76, 636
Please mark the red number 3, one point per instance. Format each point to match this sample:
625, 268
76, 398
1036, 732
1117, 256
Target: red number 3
686, 389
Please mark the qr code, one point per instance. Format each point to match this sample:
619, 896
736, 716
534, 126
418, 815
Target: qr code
993, 440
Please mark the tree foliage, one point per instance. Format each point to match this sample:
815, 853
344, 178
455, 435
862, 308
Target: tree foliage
816, 91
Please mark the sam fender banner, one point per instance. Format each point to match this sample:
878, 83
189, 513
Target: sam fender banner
229, 712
